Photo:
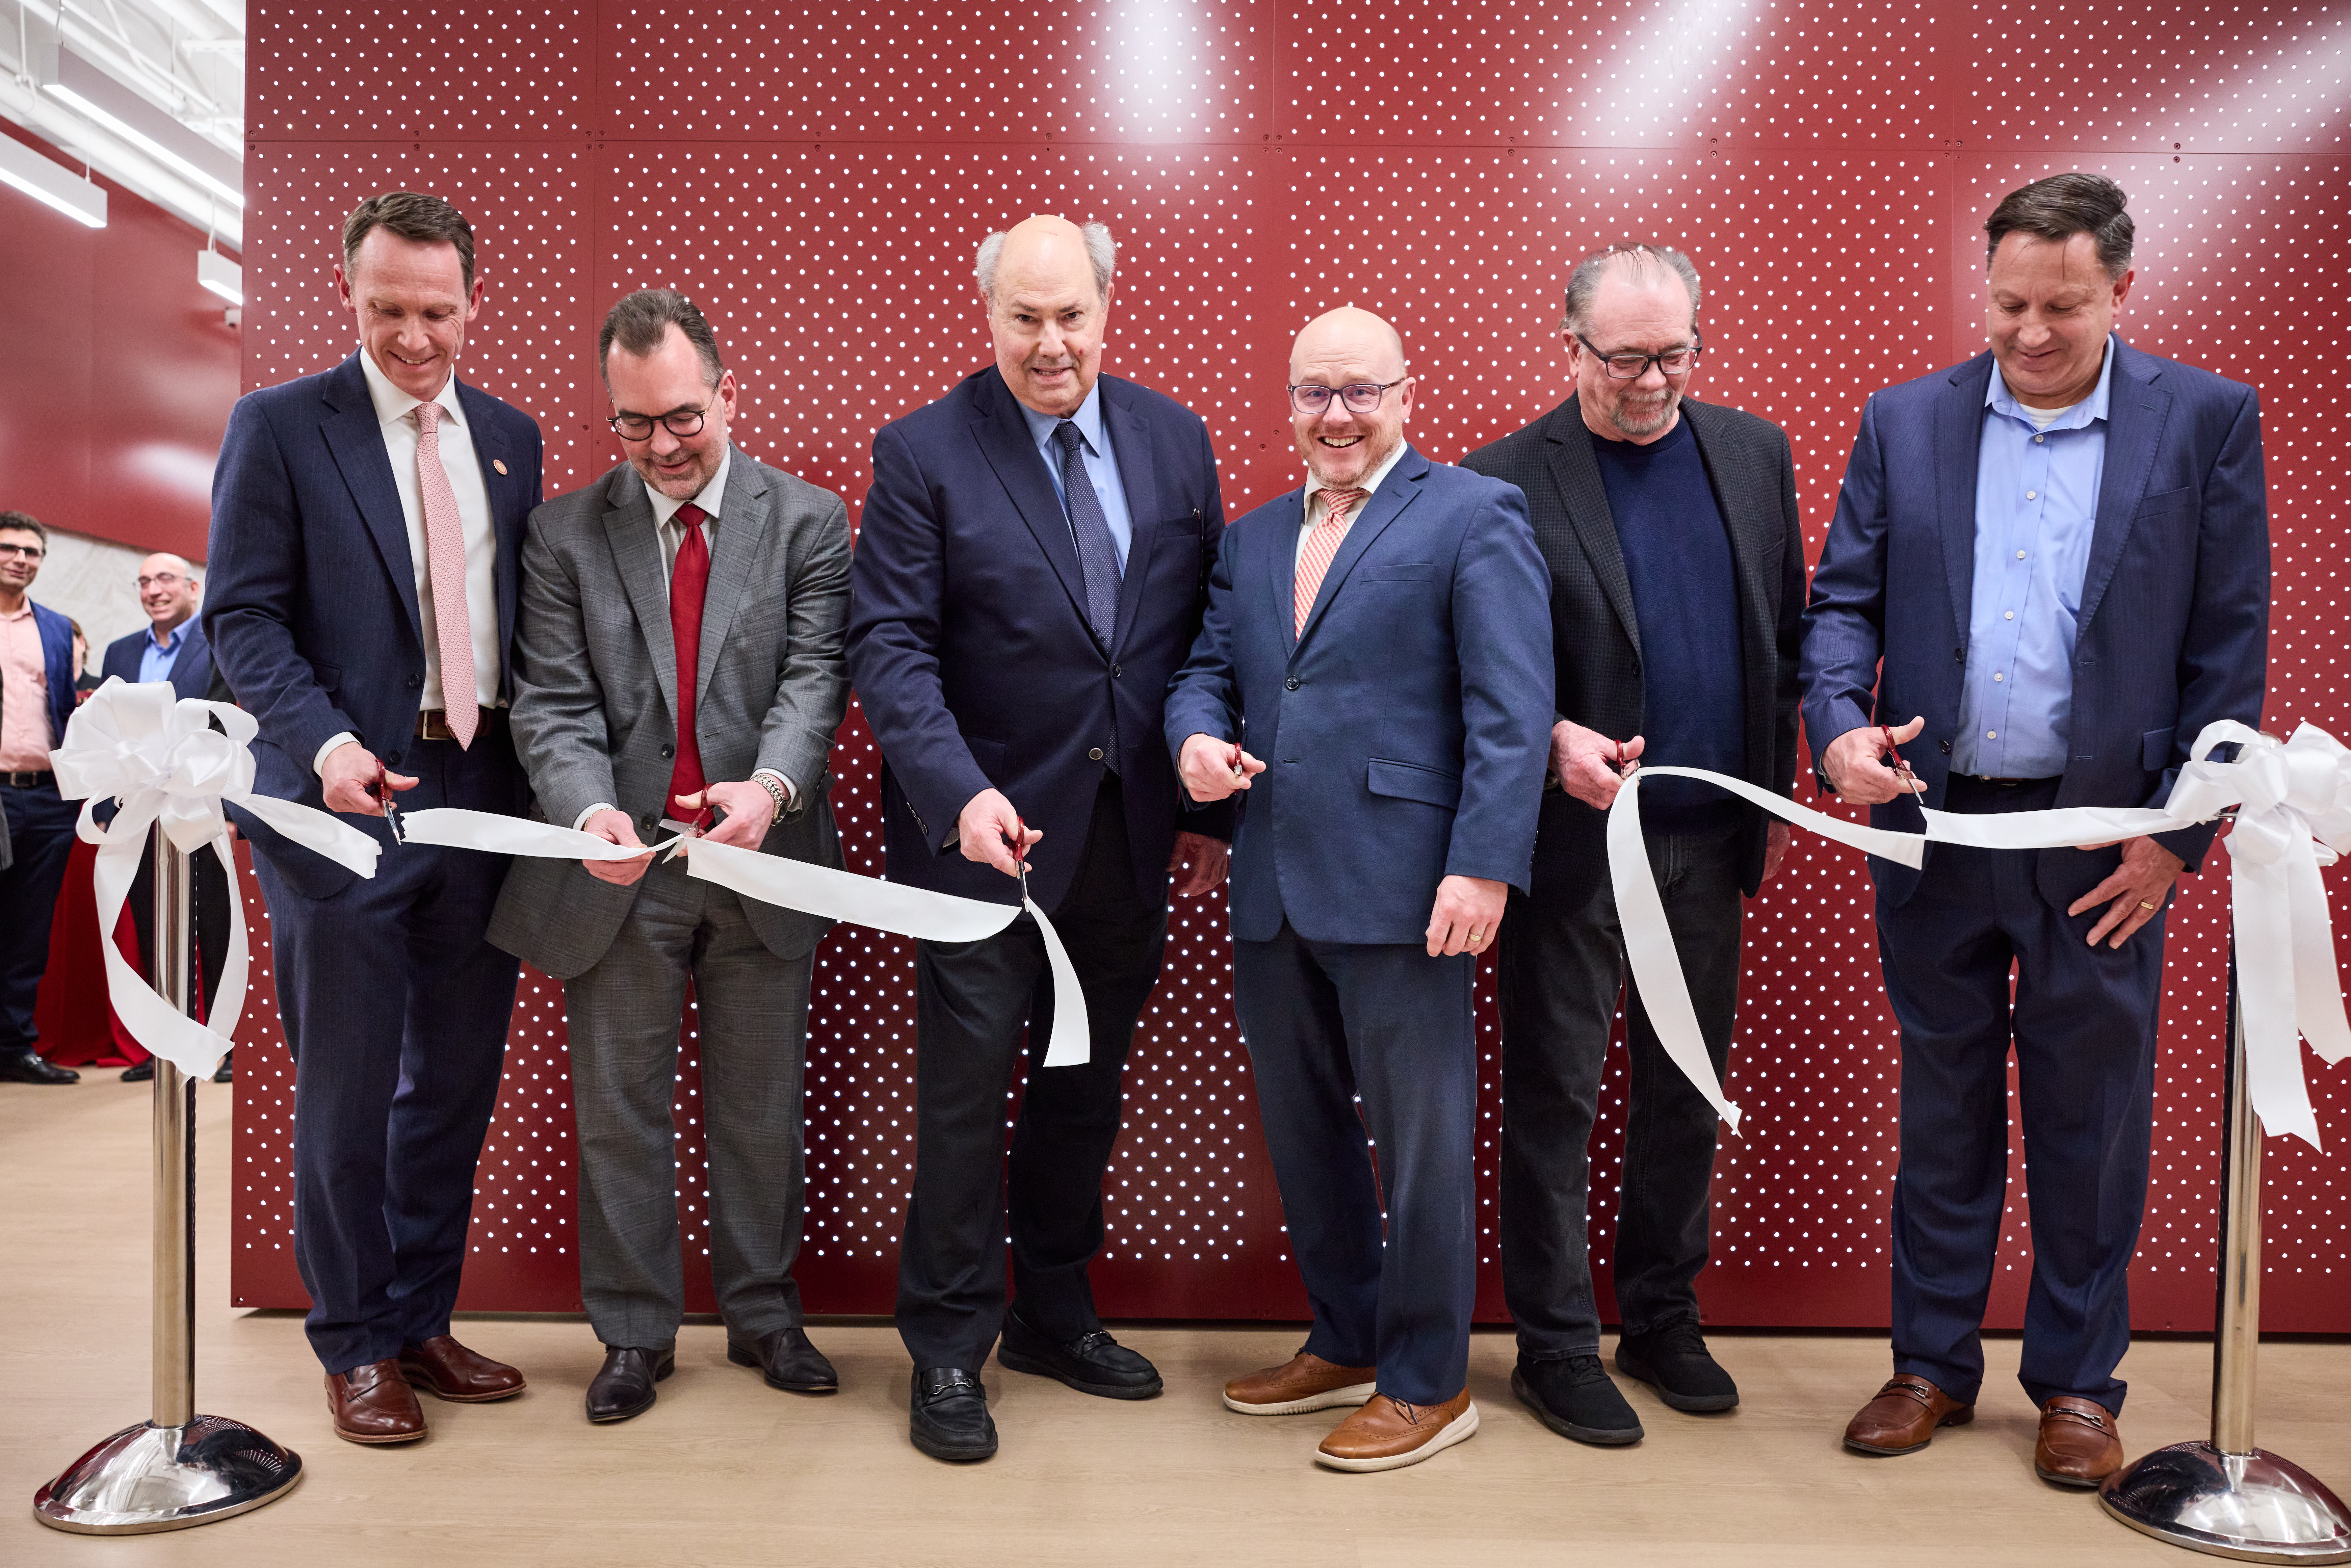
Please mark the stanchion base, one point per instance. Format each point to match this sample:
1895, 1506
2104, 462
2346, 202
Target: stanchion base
2253, 1507
149, 1478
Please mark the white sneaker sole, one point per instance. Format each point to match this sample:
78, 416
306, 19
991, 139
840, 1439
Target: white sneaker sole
1460, 1429
1330, 1399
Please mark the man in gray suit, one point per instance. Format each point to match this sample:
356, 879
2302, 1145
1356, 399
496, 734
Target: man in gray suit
679, 660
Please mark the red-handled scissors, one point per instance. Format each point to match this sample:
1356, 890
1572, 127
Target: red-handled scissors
1020, 856
383, 798
1901, 768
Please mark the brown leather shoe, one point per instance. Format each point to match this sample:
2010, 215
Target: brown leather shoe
1903, 1417
443, 1367
1389, 1433
373, 1404
1303, 1383
2079, 1445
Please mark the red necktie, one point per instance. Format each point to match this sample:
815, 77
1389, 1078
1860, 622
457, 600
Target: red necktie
687, 581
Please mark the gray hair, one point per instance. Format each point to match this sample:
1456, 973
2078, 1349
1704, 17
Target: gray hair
639, 323
1101, 249
2062, 206
1584, 283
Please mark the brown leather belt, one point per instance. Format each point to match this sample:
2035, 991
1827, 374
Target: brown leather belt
433, 723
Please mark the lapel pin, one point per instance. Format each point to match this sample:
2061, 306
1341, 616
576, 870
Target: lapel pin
499, 464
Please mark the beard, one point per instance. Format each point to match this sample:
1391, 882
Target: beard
1644, 416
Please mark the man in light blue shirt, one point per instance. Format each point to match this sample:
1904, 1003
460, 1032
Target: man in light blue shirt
172, 647
1101, 462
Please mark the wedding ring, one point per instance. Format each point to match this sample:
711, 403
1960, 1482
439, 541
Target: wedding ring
2143, 904
1476, 937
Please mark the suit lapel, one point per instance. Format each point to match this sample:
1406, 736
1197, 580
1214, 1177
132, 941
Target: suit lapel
192, 672
2137, 411
1282, 567
637, 554
748, 511
1751, 518
510, 507
1399, 490
1576, 472
355, 437
1003, 437
1958, 446
1130, 441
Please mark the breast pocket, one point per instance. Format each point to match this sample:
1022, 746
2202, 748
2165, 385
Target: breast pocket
1398, 571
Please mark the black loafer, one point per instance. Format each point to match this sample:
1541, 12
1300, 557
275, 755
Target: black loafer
142, 1073
791, 1363
623, 1386
1673, 1360
32, 1067
947, 1416
1572, 1396
226, 1072
1091, 1364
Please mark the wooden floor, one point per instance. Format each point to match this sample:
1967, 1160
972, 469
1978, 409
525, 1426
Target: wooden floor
724, 1470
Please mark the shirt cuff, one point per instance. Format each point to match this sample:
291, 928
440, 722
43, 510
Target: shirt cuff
318, 763
580, 822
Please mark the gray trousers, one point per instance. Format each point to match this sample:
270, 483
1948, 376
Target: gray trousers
625, 1015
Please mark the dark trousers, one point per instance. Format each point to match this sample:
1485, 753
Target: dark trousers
41, 837
396, 1010
209, 913
1328, 1024
2082, 1026
981, 1008
1560, 971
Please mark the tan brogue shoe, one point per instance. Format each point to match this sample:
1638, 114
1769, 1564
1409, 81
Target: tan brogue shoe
2079, 1445
1903, 1417
441, 1366
1388, 1434
373, 1404
1305, 1381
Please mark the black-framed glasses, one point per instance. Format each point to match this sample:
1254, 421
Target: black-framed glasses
1360, 397
638, 427
30, 552
1629, 367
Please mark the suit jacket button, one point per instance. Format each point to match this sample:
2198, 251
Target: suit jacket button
1292, 683
652, 823
668, 751
1946, 748
1095, 754
1959, 655
1115, 672
392, 759
415, 682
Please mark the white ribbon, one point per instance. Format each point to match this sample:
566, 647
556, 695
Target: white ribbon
789, 884
157, 755
2294, 816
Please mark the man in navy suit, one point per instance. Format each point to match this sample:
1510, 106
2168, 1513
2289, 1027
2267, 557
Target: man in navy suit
172, 648
36, 698
2059, 551
1030, 573
1375, 672
365, 527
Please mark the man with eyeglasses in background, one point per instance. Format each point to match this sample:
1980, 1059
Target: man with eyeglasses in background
678, 670
36, 698
172, 648
1676, 562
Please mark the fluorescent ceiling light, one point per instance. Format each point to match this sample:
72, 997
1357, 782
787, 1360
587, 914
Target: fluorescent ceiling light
91, 93
222, 276
52, 184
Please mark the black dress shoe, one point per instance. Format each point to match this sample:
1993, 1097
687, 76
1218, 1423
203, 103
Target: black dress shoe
1091, 1364
226, 1072
791, 1363
623, 1386
1673, 1360
32, 1067
142, 1073
949, 1417
1572, 1396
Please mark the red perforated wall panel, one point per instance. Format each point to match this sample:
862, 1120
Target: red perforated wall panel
817, 180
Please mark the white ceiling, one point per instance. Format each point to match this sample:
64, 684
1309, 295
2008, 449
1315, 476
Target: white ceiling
184, 57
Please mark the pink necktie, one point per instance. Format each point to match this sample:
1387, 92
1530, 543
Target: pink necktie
1321, 546
444, 564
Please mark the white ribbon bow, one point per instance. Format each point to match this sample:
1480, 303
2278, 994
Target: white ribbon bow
157, 755
788, 884
2294, 816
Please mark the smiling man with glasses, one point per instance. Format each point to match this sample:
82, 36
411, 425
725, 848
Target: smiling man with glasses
1676, 592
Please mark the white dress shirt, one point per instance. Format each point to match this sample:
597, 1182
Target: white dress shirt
396, 413
1314, 509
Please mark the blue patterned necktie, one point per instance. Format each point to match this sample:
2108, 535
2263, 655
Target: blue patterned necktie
1097, 551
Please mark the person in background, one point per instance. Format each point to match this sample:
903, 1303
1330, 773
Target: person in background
85, 681
36, 698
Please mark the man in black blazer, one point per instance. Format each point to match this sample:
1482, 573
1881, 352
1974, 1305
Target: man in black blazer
1030, 571
1678, 594
172, 648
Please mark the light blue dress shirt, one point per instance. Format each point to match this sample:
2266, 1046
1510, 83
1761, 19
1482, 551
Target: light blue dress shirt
2036, 507
155, 661
1101, 465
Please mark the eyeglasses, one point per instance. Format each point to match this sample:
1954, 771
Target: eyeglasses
1633, 367
638, 427
1360, 397
161, 580
30, 552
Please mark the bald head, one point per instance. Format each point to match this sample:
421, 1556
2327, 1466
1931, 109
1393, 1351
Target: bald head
1047, 284
167, 590
1348, 352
